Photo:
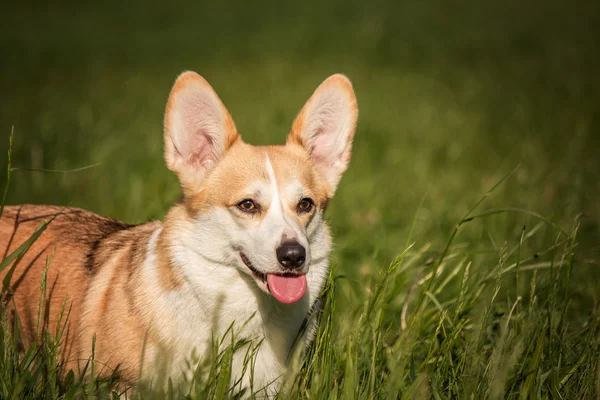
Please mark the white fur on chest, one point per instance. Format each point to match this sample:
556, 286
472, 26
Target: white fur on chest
213, 296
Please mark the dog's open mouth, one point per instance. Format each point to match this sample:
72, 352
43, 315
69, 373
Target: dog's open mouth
259, 275
286, 287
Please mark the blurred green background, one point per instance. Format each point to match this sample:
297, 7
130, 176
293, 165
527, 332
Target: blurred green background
452, 97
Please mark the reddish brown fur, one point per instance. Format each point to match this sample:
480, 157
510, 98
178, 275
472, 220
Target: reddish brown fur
76, 246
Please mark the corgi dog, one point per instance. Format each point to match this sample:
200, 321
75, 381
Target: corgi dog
246, 247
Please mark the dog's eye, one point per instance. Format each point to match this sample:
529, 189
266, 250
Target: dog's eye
248, 206
305, 205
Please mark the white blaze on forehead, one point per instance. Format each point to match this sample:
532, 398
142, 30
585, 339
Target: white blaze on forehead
276, 209
276, 206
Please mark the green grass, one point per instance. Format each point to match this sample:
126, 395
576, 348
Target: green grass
501, 301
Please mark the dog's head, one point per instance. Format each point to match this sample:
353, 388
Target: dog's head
259, 209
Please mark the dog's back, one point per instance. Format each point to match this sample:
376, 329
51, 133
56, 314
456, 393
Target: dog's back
69, 246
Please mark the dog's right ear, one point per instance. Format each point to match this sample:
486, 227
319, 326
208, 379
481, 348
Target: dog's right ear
198, 130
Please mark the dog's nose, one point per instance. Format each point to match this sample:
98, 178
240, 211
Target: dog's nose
291, 255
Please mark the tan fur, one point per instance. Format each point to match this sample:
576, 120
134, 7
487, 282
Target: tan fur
244, 164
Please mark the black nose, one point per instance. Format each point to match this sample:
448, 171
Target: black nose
291, 255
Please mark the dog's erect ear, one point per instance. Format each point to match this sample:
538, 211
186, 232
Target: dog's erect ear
325, 127
198, 130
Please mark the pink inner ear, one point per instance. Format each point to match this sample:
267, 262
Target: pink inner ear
321, 150
328, 127
328, 141
197, 129
202, 156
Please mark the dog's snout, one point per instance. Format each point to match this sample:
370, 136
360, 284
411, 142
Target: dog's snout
291, 255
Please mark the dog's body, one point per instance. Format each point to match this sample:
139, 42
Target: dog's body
247, 245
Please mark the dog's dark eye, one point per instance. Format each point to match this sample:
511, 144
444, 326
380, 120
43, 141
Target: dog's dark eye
248, 206
305, 205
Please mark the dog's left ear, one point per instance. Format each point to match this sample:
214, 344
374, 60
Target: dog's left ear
325, 128
198, 130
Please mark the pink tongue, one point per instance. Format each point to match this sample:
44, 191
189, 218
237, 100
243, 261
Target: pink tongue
287, 289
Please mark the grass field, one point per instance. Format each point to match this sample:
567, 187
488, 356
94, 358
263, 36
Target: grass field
452, 99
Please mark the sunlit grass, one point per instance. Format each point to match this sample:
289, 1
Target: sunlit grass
449, 325
423, 301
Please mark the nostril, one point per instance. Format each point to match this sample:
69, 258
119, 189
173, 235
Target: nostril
291, 255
